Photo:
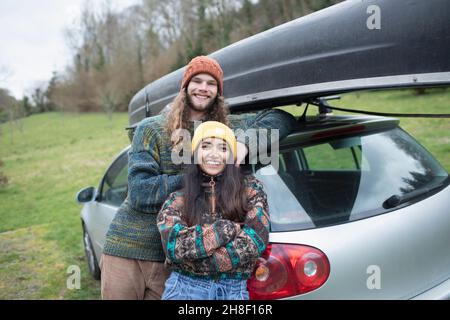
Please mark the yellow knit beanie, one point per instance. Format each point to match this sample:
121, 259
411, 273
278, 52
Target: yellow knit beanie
215, 129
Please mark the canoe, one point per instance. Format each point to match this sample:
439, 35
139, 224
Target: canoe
354, 45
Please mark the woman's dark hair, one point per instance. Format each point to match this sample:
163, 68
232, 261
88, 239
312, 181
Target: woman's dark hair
231, 197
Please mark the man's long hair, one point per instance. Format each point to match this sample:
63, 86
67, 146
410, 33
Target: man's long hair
230, 191
178, 115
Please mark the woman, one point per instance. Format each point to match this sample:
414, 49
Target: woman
217, 226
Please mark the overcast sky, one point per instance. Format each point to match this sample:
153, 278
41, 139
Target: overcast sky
32, 39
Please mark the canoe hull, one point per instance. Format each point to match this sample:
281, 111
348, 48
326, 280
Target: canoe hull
331, 51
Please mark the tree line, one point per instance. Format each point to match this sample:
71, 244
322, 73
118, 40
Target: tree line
114, 54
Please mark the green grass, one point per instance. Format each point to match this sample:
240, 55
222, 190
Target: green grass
55, 155
46, 163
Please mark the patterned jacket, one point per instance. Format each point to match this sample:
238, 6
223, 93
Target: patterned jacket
218, 248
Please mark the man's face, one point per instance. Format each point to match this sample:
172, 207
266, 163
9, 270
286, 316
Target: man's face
201, 92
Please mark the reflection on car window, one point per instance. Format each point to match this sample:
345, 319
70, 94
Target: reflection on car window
336, 156
346, 179
115, 184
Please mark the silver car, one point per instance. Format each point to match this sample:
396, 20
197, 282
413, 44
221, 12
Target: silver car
359, 210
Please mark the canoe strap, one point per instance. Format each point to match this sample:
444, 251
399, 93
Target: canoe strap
403, 115
324, 107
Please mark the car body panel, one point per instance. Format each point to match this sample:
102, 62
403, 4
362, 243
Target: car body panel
410, 246
440, 292
97, 217
327, 52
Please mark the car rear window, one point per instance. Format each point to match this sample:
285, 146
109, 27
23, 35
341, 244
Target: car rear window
347, 179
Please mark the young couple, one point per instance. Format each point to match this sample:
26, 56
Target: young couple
207, 220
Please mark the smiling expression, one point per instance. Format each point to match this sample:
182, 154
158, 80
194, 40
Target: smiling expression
202, 92
212, 155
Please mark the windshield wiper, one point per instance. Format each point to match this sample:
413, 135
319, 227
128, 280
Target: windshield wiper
396, 200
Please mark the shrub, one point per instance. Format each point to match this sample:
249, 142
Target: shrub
3, 177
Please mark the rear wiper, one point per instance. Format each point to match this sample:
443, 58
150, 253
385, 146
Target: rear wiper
396, 200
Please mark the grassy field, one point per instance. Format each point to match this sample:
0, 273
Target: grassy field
55, 155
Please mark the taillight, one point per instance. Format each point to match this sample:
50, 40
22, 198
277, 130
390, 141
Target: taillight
286, 270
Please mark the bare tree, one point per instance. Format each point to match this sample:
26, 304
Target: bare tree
4, 100
39, 97
12, 110
5, 73
117, 53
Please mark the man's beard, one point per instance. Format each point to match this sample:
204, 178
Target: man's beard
192, 106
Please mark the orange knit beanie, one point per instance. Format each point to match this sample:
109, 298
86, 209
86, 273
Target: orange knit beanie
203, 64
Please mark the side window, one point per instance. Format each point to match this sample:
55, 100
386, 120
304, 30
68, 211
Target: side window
115, 183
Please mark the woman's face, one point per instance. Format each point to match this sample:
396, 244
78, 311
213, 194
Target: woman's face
212, 155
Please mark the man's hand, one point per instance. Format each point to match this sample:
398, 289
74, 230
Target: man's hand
241, 153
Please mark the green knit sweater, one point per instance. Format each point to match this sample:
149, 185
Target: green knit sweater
152, 177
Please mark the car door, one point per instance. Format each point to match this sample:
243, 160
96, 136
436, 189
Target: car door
112, 192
